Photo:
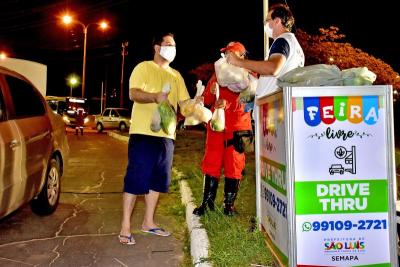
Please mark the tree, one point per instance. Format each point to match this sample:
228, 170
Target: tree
325, 48
203, 72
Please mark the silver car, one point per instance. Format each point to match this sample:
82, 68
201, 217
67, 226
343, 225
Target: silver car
113, 118
33, 145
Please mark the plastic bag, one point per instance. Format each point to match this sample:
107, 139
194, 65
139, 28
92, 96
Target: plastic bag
325, 75
312, 75
217, 122
235, 78
358, 76
195, 112
167, 114
187, 106
190, 121
155, 125
248, 95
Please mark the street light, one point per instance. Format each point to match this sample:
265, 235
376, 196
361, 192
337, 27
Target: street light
3, 55
73, 81
67, 19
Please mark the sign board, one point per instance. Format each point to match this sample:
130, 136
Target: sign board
272, 164
326, 156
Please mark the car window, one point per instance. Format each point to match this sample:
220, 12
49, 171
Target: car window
124, 113
106, 113
114, 114
26, 100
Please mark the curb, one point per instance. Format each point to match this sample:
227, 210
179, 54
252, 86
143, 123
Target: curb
198, 236
118, 136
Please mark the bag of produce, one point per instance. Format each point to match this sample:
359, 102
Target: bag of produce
217, 122
167, 114
155, 125
194, 111
358, 76
235, 78
312, 75
190, 121
248, 95
187, 106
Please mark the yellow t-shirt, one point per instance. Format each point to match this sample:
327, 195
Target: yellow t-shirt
151, 78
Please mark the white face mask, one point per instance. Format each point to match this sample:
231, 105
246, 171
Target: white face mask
168, 52
268, 30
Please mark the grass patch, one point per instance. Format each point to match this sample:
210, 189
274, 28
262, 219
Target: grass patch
231, 242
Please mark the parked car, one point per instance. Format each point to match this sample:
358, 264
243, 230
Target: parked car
113, 118
33, 144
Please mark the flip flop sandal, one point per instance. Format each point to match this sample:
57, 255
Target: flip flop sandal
126, 240
156, 231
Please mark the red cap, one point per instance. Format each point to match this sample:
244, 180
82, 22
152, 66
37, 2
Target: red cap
234, 47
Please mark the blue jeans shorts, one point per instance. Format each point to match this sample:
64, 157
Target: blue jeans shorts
149, 164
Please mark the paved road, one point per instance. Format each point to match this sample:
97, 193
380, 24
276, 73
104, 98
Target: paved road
83, 230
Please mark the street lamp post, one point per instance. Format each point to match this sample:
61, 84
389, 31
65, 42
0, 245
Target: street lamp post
103, 25
123, 53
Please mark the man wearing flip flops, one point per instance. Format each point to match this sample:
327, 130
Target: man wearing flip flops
150, 153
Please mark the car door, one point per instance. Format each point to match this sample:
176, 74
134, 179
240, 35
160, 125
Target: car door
107, 118
35, 129
10, 158
114, 119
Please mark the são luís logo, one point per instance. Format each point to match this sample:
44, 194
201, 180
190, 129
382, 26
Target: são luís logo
340, 246
354, 109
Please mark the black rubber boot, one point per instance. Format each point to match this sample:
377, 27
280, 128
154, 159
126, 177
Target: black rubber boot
209, 194
230, 192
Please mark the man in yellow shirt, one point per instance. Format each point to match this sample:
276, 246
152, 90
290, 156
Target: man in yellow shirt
150, 153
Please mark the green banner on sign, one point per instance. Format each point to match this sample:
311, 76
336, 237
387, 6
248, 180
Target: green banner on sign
334, 197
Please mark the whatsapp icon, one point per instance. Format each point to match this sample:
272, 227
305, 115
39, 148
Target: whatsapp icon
306, 227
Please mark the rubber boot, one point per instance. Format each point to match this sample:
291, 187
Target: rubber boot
230, 192
209, 194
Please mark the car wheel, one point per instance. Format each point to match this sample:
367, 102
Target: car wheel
331, 172
122, 126
47, 201
99, 127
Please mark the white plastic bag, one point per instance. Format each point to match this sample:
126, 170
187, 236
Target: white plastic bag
187, 106
217, 122
312, 75
235, 78
155, 125
358, 76
195, 112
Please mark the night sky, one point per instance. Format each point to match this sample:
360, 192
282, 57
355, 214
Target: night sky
30, 29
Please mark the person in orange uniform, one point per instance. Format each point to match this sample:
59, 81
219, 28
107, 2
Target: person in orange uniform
224, 150
80, 121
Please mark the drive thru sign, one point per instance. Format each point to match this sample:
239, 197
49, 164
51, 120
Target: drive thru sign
338, 170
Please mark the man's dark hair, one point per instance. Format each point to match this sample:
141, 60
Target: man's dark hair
283, 12
159, 38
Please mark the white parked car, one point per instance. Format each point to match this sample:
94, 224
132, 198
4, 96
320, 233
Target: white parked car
113, 118
33, 144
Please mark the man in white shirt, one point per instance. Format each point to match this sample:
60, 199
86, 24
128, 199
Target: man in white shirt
285, 53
